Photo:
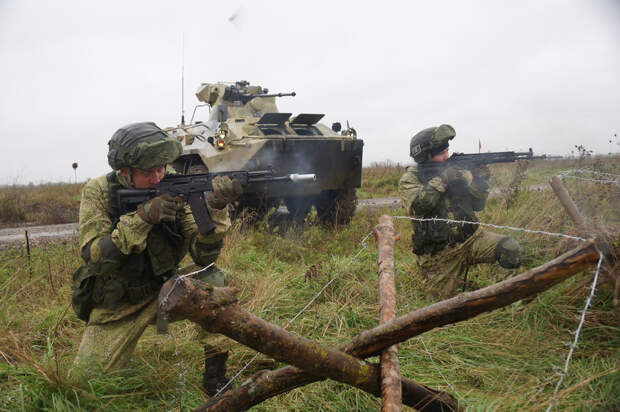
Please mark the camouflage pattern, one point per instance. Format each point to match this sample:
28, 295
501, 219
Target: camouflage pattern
444, 272
443, 199
246, 131
113, 330
142, 145
446, 250
111, 337
428, 139
131, 232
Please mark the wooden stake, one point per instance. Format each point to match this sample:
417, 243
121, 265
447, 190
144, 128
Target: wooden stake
609, 270
27, 242
570, 206
215, 309
390, 369
465, 306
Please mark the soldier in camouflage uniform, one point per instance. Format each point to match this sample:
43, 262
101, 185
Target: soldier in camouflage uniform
446, 250
128, 257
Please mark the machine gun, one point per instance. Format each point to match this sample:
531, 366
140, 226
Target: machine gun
471, 161
196, 189
241, 92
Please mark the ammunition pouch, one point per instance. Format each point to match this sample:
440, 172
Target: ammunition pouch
81, 297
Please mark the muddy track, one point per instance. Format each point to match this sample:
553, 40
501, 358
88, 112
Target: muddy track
42, 234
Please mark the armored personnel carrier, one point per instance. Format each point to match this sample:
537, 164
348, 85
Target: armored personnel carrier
246, 131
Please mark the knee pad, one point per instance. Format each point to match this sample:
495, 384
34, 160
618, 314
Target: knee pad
508, 253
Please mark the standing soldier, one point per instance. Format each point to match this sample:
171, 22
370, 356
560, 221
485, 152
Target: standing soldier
446, 250
129, 256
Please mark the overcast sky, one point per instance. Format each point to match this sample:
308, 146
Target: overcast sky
515, 74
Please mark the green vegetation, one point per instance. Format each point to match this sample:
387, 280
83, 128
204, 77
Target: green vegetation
503, 360
44, 204
380, 180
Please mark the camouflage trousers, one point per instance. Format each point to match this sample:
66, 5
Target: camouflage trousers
110, 337
445, 271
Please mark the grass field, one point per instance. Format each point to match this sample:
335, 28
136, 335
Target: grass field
503, 360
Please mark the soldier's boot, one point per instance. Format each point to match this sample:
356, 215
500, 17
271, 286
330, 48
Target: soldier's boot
214, 377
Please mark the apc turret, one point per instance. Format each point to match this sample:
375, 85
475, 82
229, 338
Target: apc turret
246, 131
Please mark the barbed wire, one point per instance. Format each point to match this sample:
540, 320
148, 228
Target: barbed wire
164, 300
408, 309
595, 172
364, 244
452, 388
314, 298
577, 333
180, 364
518, 229
571, 172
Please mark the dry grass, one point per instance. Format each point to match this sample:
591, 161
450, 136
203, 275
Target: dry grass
43, 204
504, 360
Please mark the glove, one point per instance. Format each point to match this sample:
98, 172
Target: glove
482, 173
225, 191
160, 209
453, 176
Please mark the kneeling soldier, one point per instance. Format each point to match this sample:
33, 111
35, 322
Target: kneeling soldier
446, 250
129, 256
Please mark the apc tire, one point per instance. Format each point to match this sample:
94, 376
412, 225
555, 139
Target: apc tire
336, 207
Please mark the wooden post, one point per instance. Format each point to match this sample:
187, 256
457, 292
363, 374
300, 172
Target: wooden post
390, 368
570, 207
459, 308
467, 305
609, 271
27, 242
215, 309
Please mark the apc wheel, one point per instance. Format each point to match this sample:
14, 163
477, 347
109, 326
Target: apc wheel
298, 207
336, 207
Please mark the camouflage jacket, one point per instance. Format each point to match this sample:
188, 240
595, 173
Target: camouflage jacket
435, 199
127, 259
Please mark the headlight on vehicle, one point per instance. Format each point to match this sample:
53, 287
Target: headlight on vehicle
220, 136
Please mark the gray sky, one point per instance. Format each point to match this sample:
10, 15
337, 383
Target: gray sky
514, 74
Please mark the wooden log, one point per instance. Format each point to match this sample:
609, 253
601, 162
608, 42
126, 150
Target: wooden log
605, 243
390, 369
215, 309
267, 384
570, 206
470, 304
459, 308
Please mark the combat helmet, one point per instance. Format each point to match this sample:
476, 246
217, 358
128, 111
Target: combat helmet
429, 142
143, 146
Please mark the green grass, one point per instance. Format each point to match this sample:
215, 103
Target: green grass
503, 360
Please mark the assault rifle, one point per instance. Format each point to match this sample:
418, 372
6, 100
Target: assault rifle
471, 161
196, 189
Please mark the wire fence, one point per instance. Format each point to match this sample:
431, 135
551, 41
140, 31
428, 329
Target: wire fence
576, 333
572, 173
314, 298
605, 178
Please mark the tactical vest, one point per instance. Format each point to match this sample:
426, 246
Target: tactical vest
432, 237
133, 278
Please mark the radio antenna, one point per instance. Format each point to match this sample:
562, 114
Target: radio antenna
183, 81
